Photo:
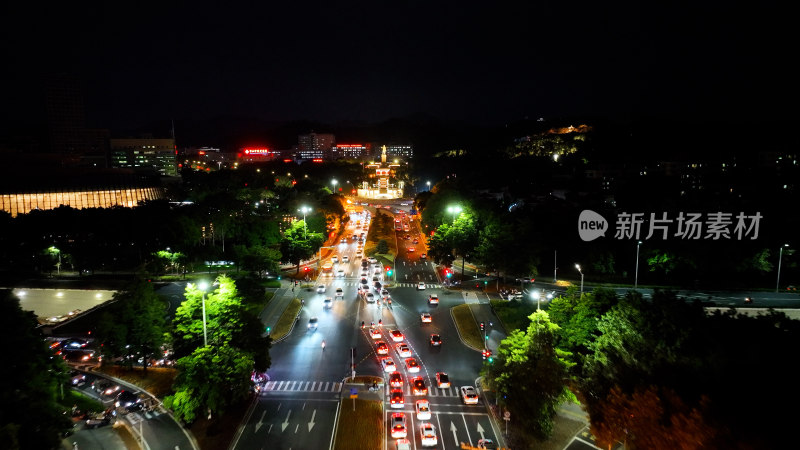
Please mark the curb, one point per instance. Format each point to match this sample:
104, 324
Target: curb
161, 407
461, 338
494, 418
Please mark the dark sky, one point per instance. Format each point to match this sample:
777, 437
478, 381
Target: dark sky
486, 62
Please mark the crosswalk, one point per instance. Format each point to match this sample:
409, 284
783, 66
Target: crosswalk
307, 386
391, 285
435, 392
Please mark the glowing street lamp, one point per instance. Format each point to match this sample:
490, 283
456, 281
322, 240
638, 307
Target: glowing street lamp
429, 185
636, 279
52, 250
305, 210
333, 182
454, 210
578, 266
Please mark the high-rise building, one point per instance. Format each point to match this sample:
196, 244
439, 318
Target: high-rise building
315, 146
350, 151
155, 154
400, 151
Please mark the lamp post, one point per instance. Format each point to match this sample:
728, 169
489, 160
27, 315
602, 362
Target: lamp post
454, 210
203, 286
333, 182
538, 296
53, 249
429, 185
780, 257
304, 210
636, 278
578, 266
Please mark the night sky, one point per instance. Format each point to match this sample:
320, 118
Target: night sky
484, 62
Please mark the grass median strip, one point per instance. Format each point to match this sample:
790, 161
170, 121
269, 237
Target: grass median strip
284, 324
359, 429
467, 326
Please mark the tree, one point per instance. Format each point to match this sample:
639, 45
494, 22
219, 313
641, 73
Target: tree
30, 416
209, 380
440, 250
383, 246
529, 375
259, 259
134, 326
299, 243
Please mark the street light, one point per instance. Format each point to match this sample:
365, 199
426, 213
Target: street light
636, 279
538, 296
454, 210
578, 266
333, 182
304, 210
53, 249
429, 185
203, 286
780, 257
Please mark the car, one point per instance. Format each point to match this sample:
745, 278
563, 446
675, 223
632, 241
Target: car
370, 297
363, 274
418, 386
321, 289
416, 241
73, 343
396, 399
77, 356
346, 259
436, 340
335, 259
397, 336
406, 237
339, 292
423, 409
375, 333
427, 433
402, 444
381, 348
396, 380
388, 364
442, 380
101, 419
385, 292
340, 273
105, 387
327, 303
412, 365
373, 260
128, 400
377, 272
411, 249
364, 281
426, 317
402, 350
76, 378
376, 279
377, 286
421, 286
433, 299
423, 256
399, 425
486, 444
358, 254
312, 323
468, 395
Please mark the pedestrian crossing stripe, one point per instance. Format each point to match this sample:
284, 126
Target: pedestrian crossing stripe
435, 392
307, 386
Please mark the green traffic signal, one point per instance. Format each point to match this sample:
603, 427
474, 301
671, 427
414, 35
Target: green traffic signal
491, 359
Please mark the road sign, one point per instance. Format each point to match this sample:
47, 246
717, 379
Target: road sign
507, 415
353, 393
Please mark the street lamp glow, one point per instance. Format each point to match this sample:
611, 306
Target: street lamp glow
780, 257
578, 266
333, 182
454, 210
304, 210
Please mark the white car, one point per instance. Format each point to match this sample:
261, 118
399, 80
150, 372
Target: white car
335, 259
373, 261
327, 303
321, 289
428, 434
339, 292
370, 297
421, 286
402, 350
468, 395
433, 300
423, 410
388, 364
340, 273
345, 259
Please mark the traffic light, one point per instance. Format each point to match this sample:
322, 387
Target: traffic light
279, 277
268, 329
483, 326
485, 354
491, 360
388, 271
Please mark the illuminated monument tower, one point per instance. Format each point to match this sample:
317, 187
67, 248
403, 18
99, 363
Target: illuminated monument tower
379, 185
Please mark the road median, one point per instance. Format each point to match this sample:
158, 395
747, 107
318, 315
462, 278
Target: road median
467, 327
286, 321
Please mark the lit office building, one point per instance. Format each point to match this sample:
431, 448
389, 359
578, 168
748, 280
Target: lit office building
155, 154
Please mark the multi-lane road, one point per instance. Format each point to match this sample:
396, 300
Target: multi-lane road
297, 407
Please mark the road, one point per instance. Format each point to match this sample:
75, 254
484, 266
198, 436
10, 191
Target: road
305, 380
